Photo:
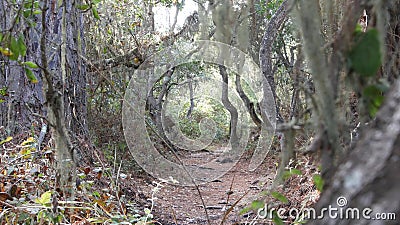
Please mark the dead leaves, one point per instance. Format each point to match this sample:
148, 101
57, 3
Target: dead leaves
29, 194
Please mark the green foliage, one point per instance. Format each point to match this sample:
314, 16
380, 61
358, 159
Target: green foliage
268, 7
95, 13
206, 108
45, 199
169, 3
365, 57
288, 173
3, 93
277, 220
30, 64
83, 7
8, 139
16, 47
279, 197
31, 77
255, 206
31, 8
92, 6
373, 97
34, 199
318, 181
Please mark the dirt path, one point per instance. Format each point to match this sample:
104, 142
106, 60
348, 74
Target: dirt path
183, 205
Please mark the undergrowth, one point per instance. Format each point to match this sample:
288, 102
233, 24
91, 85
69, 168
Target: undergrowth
29, 193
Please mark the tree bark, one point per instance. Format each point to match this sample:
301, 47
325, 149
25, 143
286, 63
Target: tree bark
266, 50
56, 44
369, 176
155, 105
266, 64
230, 107
22, 97
309, 17
251, 108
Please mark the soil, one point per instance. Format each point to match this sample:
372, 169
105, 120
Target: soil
225, 197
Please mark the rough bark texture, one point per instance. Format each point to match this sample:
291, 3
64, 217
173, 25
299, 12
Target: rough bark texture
63, 30
266, 64
266, 50
369, 177
22, 97
392, 61
58, 40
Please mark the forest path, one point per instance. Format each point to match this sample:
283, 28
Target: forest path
183, 205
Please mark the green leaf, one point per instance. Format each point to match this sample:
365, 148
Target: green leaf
371, 91
5, 51
295, 172
365, 56
6, 140
28, 5
31, 77
95, 2
21, 46
37, 12
277, 220
288, 173
31, 64
358, 29
27, 13
83, 7
44, 199
244, 210
147, 211
14, 48
280, 197
318, 181
96, 194
257, 205
374, 98
3, 91
95, 13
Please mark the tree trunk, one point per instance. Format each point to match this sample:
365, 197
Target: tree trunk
369, 177
234, 140
251, 108
267, 69
266, 63
57, 40
155, 108
21, 97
